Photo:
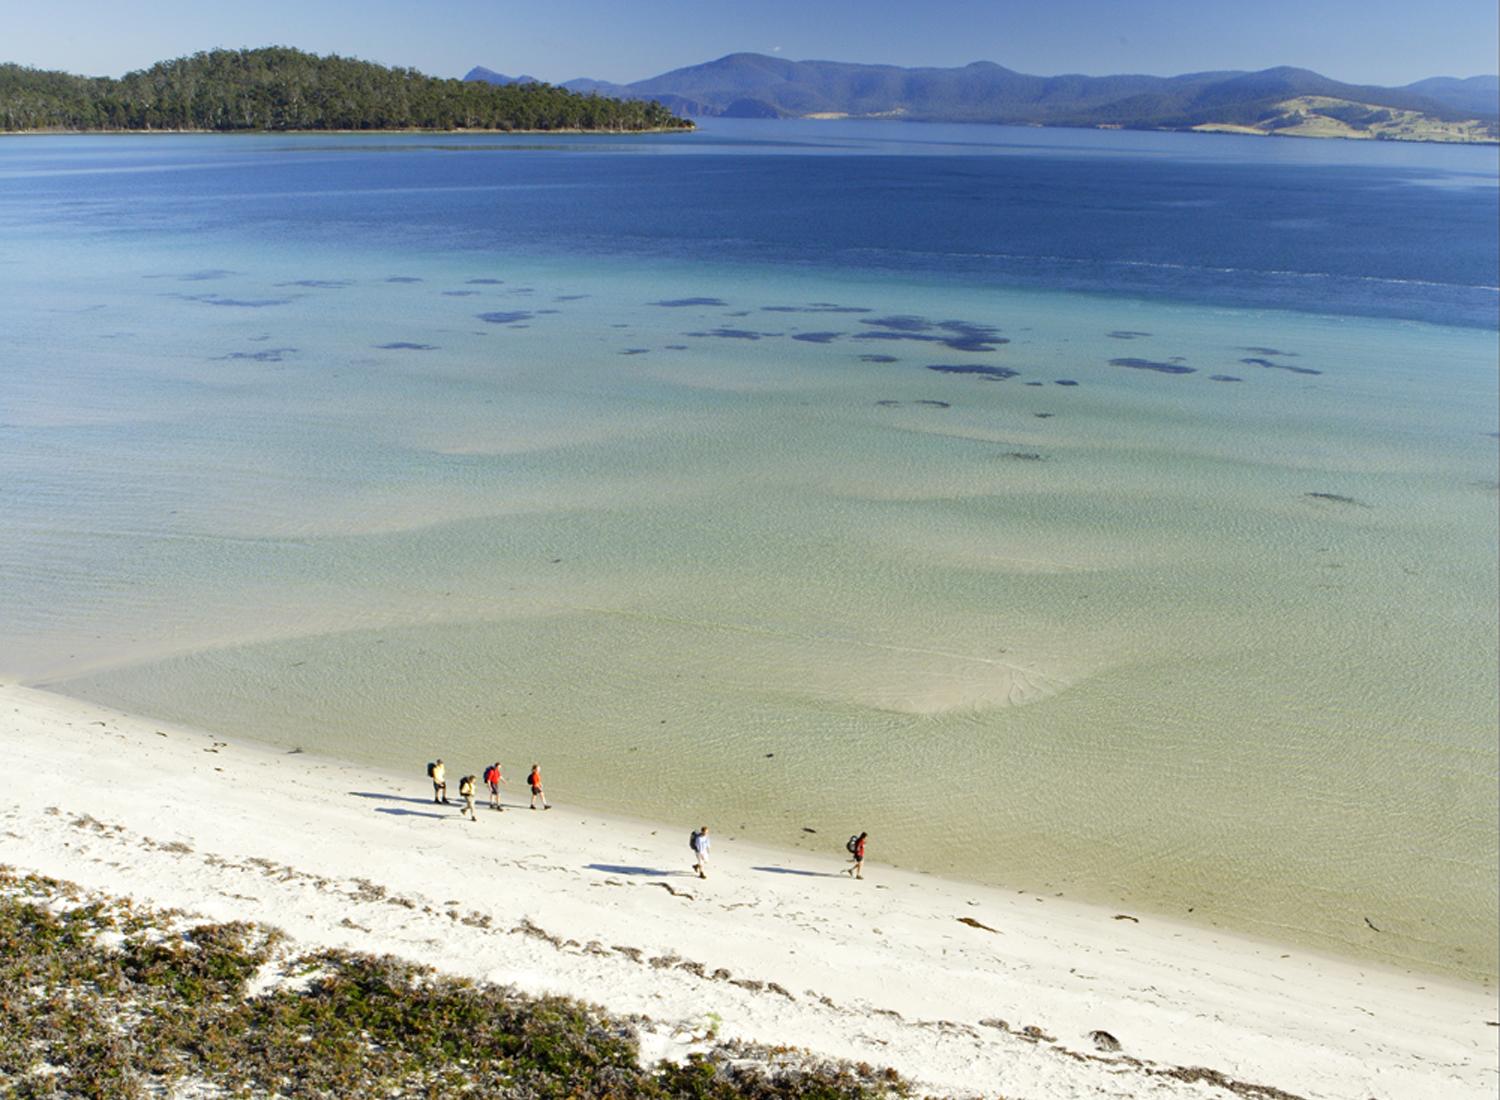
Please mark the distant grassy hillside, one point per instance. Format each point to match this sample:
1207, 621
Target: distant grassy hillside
284, 89
1327, 116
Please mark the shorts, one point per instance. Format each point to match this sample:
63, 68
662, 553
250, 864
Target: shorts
535, 789
494, 788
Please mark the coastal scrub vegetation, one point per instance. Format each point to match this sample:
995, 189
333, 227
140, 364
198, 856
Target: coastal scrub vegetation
278, 88
101, 999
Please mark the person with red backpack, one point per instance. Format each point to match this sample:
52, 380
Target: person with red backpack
535, 779
494, 777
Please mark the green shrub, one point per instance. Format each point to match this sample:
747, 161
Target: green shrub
80, 1017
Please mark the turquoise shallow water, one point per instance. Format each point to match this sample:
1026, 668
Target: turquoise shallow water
1150, 638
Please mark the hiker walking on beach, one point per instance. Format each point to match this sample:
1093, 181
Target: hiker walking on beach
535, 779
466, 792
699, 843
856, 847
494, 777
439, 776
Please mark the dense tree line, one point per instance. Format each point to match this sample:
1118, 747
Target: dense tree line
277, 88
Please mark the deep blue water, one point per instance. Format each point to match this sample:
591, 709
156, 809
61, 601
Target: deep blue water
1329, 227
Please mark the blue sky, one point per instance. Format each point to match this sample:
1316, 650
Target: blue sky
1362, 41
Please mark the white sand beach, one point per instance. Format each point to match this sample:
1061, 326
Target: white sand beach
901, 969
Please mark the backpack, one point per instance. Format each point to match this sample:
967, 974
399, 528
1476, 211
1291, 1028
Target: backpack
466, 785
431, 769
693, 840
853, 845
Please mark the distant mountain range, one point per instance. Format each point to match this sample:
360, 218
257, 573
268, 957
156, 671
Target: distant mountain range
490, 76
1280, 100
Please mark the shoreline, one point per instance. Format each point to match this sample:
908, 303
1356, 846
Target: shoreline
1209, 914
389, 130
604, 908
1211, 128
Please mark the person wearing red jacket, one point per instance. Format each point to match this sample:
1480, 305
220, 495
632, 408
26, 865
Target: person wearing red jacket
494, 777
535, 779
856, 847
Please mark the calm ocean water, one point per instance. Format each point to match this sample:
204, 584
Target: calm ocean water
1104, 514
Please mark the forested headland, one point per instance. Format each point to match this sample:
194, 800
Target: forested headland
278, 88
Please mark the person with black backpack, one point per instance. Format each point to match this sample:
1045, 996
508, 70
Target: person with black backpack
439, 776
535, 781
494, 777
856, 848
698, 842
466, 792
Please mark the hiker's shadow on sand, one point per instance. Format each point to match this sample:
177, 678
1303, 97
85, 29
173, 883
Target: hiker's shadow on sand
397, 811
795, 871
393, 797
627, 869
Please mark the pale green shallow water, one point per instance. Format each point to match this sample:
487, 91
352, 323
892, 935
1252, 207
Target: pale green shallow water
1116, 651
